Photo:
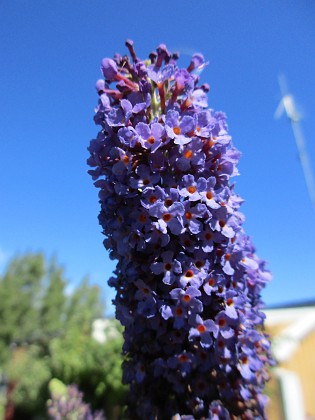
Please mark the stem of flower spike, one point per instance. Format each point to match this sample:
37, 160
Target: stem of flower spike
114, 93
162, 95
155, 104
131, 85
185, 104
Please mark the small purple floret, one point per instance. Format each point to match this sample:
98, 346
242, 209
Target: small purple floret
109, 69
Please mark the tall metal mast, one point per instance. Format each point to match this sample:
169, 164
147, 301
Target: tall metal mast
287, 105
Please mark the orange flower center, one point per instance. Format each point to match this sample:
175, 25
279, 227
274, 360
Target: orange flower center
179, 311
199, 264
167, 217
177, 130
189, 273
168, 202
211, 282
188, 154
244, 359
183, 358
201, 328
188, 215
221, 322
142, 218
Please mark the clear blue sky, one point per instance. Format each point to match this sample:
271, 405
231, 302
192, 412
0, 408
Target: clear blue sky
50, 56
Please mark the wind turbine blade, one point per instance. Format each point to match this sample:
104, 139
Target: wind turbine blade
279, 111
289, 105
283, 85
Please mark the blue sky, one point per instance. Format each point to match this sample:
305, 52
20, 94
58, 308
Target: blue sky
50, 59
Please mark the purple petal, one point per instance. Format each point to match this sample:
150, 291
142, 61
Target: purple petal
187, 124
143, 130
109, 69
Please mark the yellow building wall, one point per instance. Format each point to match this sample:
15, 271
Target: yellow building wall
274, 409
303, 364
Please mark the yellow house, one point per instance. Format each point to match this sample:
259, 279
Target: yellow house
292, 387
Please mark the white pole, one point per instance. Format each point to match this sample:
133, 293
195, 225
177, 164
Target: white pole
287, 104
292, 395
305, 162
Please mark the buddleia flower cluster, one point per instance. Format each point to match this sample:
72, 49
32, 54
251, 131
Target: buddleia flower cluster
187, 279
69, 405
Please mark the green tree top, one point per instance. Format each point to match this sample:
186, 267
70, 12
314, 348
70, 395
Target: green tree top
46, 332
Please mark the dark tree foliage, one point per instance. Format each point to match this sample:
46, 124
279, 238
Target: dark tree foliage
45, 333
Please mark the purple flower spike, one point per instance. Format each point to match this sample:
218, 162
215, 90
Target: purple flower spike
187, 280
